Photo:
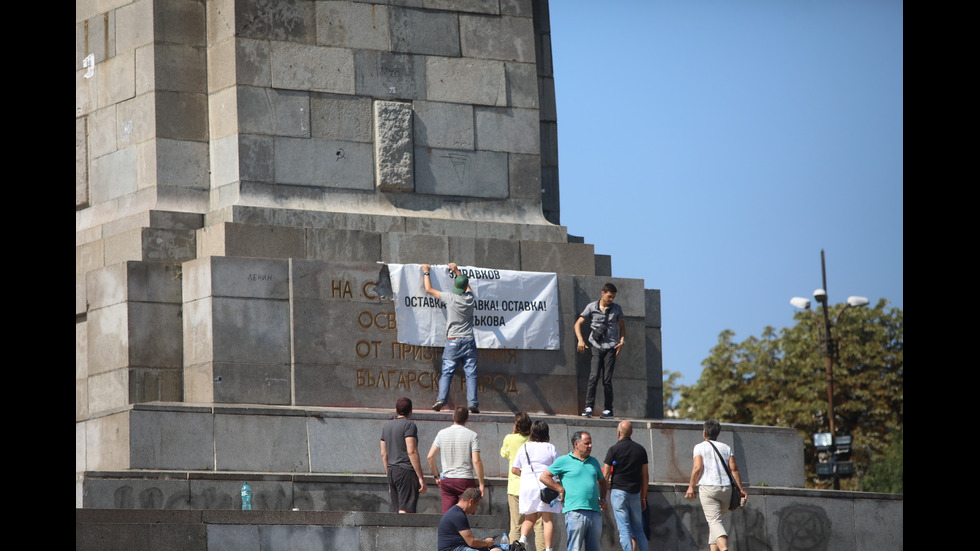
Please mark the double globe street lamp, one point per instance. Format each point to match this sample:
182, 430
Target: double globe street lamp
829, 444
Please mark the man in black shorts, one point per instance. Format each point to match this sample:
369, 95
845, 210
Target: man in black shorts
400, 456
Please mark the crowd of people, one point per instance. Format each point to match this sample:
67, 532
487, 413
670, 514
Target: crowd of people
581, 488
579, 485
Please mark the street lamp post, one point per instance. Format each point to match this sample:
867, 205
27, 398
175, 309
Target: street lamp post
830, 348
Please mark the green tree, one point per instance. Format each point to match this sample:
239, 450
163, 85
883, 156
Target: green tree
886, 475
671, 392
780, 379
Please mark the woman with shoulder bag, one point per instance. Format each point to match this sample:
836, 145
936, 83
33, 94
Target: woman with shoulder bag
533, 458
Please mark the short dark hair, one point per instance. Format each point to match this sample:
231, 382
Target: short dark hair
578, 436
460, 415
608, 288
403, 406
712, 428
470, 493
539, 432
522, 423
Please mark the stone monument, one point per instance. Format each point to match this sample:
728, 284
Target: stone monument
244, 168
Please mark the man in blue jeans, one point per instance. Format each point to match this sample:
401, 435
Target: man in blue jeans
460, 343
581, 490
625, 469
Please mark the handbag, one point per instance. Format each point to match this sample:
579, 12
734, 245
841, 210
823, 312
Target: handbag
599, 334
547, 494
735, 501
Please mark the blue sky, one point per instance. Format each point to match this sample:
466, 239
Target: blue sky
713, 148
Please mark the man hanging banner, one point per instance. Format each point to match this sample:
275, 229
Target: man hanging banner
513, 309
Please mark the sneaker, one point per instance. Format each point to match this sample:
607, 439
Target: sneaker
606, 414
474, 409
587, 412
438, 405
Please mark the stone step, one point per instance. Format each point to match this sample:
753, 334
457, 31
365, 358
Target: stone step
774, 518
178, 445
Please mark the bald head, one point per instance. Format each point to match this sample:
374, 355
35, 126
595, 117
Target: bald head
625, 429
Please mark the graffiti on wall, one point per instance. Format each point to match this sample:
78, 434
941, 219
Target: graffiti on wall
803, 528
269, 496
792, 528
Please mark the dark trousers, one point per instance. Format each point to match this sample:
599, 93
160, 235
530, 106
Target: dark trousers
603, 364
452, 488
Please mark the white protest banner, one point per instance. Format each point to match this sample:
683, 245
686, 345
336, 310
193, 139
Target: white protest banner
513, 309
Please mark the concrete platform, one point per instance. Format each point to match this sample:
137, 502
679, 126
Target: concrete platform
775, 518
271, 440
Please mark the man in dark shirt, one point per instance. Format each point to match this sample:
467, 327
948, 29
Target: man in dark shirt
603, 319
400, 457
454, 528
625, 469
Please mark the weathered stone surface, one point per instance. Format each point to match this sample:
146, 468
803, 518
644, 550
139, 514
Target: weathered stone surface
506, 38
467, 6
286, 20
107, 443
653, 312
243, 382
113, 175
342, 117
393, 146
461, 173
81, 162
136, 281
479, 251
108, 390
274, 112
404, 248
424, 32
326, 163
237, 330
655, 373
255, 159
443, 125
390, 75
569, 258
261, 443
525, 176
249, 240
180, 67
156, 244
253, 65
181, 164
313, 68
181, 116
522, 85
513, 130
172, 440
223, 119
465, 80
352, 25
344, 245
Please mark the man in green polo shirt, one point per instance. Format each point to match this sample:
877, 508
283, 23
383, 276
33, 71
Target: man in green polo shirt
582, 488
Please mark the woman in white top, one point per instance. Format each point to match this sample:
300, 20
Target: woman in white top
532, 459
713, 484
